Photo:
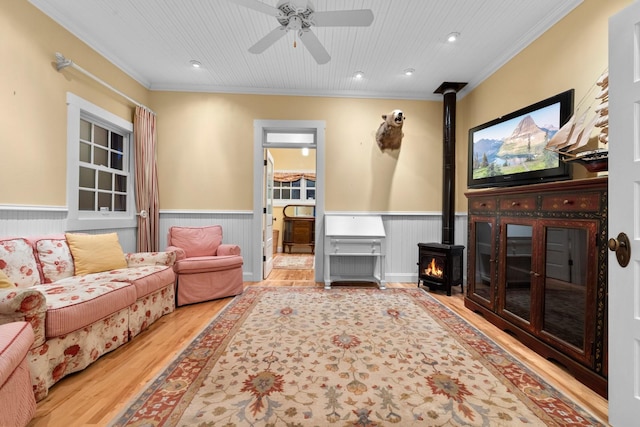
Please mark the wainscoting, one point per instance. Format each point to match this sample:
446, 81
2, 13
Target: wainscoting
404, 232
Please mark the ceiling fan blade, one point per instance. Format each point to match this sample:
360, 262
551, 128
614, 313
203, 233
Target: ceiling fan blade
313, 45
259, 6
343, 18
268, 40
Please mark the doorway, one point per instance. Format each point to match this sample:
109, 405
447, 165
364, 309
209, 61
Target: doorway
294, 206
262, 129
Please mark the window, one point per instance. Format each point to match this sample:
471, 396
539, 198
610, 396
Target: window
294, 186
99, 167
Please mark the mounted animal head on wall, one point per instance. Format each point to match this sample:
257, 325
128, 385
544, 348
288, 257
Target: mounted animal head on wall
389, 134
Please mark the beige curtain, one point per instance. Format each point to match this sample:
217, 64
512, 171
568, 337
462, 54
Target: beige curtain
292, 176
145, 138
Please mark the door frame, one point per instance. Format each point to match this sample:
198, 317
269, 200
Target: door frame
260, 128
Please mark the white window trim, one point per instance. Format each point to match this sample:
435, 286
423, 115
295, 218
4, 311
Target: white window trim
82, 220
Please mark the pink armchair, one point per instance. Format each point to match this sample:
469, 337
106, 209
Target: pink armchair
17, 401
206, 269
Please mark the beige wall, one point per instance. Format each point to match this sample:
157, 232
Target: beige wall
33, 115
206, 140
572, 54
209, 137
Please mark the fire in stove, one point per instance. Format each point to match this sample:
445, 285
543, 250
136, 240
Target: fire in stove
440, 265
433, 269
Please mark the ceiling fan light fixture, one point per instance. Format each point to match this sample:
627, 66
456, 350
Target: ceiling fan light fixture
195, 64
409, 71
453, 37
358, 75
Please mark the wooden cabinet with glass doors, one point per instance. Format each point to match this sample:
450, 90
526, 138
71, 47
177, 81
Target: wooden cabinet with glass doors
537, 267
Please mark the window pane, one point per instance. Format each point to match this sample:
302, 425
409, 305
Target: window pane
286, 194
286, 184
100, 157
117, 142
85, 130
101, 136
295, 194
87, 178
121, 183
85, 153
120, 202
296, 183
86, 200
104, 180
310, 184
116, 160
104, 200
276, 193
311, 194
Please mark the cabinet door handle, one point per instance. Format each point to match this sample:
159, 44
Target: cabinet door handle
483, 205
515, 203
533, 273
567, 202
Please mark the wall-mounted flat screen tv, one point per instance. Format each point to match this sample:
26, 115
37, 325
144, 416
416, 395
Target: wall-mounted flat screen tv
510, 150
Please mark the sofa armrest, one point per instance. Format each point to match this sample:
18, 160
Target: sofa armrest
137, 259
16, 338
24, 305
228, 249
180, 253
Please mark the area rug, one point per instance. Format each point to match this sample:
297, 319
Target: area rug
293, 262
346, 357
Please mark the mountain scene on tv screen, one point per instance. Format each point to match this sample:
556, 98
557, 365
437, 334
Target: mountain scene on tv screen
522, 151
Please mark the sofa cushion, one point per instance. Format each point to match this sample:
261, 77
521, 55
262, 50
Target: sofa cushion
19, 262
72, 305
196, 241
145, 279
207, 264
93, 253
5, 282
54, 256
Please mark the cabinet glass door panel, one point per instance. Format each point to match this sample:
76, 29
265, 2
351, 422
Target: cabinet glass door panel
483, 272
565, 286
517, 270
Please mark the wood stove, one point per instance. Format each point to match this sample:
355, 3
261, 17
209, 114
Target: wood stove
440, 266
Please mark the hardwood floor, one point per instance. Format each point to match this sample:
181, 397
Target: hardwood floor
94, 396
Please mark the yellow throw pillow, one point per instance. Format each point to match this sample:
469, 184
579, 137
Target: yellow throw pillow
93, 253
5, 282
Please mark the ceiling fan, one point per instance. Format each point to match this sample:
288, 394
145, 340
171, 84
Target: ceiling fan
299, 16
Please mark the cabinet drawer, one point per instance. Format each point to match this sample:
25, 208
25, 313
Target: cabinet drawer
518, 203
355, 247
571, 202
484, 204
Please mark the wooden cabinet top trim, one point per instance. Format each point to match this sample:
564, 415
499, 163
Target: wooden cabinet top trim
598, 183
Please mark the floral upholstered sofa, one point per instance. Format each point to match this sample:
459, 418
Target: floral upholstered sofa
83, 297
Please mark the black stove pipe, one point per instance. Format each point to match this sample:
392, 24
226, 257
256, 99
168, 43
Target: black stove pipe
449, 90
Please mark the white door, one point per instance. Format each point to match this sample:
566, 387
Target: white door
624, 216
267, 256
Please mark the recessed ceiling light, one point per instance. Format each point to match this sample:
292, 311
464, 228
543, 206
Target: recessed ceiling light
195, 64
358, 75
409, 71
453, 37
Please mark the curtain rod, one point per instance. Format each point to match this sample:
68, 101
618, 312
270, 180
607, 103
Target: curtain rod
62, 63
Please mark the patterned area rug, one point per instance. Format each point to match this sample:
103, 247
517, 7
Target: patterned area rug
293, 262
346, 357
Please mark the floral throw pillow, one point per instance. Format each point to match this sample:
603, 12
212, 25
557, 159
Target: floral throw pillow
55, 259
18, 262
